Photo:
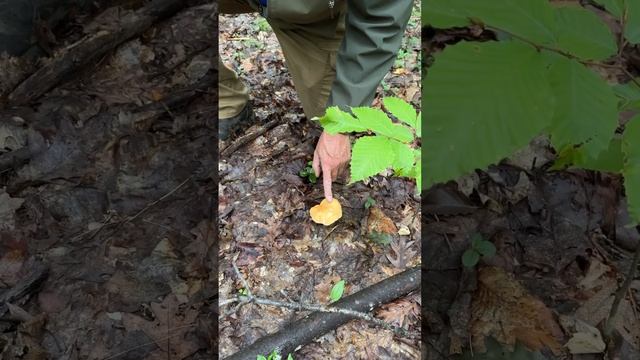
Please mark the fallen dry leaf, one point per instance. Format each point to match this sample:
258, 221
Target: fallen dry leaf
586, 339
399, 312
167, 330
600, 299
378, 222
326, 213
503, 309
403, 253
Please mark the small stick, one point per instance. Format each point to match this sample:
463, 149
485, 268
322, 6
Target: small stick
622, 291
245, 139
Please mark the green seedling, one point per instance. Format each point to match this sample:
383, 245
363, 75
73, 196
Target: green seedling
369, 202
479, 248
337, 291
308, 173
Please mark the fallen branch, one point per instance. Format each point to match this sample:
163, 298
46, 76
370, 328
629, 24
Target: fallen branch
27, 285
245, 139
90, 49
327, 318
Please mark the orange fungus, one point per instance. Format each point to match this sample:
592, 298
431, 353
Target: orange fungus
326, 213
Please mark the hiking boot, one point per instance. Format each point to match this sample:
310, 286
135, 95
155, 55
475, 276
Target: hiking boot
229, 126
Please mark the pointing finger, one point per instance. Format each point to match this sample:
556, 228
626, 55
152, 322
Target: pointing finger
326, 182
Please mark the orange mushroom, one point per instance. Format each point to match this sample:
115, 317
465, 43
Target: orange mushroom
326, 213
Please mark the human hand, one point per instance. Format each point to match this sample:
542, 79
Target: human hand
331, 157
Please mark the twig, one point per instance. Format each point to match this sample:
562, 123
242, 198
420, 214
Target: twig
568, 55
298, 306
245, 139
622, 292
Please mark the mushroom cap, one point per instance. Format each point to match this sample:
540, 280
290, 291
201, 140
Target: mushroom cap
326, 213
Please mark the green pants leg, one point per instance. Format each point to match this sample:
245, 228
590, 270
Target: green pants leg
310, 56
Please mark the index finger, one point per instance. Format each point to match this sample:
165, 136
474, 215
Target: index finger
326, 183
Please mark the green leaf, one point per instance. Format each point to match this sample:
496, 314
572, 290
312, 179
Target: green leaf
476, 240
401, 109
370, 156
585, 108
581, 33
403, 157
337, 121
631, 170
486, 248
336, 291
261, 357
418, 176
419, 125
444, 14
289, 357
470, 258
378, 122
618, 8
610, 160
614, 7
369, 202
629, 95
482, 101
632, 27
531, 19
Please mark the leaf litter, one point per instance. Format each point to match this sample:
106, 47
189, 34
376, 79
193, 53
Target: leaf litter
115, 199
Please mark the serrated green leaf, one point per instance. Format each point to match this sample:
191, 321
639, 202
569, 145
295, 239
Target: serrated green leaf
336, 291
401, 109
580, 32
629, 95
444, 14
632, 26
403, 157
531, 19
486, 248
378, 122
370, 156
337, 121
610, 160
470, 258
585, 108
631, 169
614, 7
630, 8
482, 101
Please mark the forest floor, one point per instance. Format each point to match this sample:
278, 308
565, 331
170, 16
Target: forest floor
264, 211
106, 186
563, 248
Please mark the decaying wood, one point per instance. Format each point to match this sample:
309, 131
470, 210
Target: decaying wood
27, 286
318, 323
90, 49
